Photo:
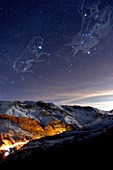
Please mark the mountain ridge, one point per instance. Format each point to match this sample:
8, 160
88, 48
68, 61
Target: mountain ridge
49, 128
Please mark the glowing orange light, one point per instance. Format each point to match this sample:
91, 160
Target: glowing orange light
17, 144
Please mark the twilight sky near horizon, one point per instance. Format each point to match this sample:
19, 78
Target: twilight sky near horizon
57, 51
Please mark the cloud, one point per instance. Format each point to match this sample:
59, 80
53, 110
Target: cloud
96, 98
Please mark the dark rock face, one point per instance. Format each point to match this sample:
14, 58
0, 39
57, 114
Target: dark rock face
89, 153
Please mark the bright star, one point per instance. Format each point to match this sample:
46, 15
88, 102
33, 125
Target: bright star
40, 47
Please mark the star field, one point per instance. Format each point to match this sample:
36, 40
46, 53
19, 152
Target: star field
41, 58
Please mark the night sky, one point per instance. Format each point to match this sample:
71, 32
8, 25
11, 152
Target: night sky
41, 57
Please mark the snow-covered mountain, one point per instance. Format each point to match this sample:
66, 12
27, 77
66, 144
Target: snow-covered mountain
29, 128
